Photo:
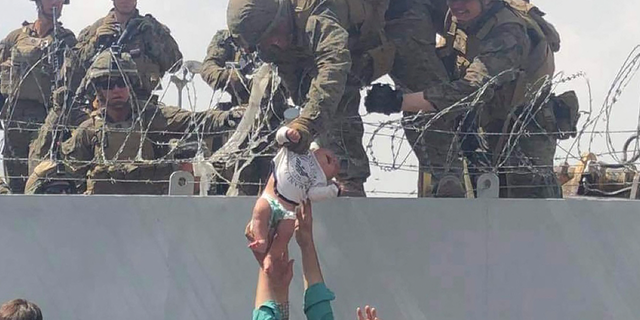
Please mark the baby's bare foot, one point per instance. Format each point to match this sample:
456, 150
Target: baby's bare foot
259, 246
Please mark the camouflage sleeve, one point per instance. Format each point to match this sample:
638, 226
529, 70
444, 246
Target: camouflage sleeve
175, 119
161, 47
77, 151
329, 43
505, 48
219, 52
77, 59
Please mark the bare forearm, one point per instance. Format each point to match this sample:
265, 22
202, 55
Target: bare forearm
311, 271
267, 290
415, 102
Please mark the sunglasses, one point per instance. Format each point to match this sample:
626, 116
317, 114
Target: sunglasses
111, 83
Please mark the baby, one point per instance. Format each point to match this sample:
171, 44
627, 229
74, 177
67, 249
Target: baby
295, 178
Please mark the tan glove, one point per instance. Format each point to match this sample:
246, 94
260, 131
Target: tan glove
107, 33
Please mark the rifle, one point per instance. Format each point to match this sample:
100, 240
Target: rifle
53, 57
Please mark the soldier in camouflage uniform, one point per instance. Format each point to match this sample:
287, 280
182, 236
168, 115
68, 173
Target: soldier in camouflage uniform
487, 39
149, 43
215, 72
325, 52
117, 142
412, 25
28, 62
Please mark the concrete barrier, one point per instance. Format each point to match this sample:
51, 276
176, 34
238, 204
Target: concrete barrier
186, 258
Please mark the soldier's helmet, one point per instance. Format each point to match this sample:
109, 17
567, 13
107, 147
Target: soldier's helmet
110, 64
250, 20
65, 1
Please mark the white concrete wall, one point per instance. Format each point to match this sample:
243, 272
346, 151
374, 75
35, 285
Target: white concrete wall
186, 258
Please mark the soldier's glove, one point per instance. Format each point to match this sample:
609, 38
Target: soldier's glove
144, 24
303, 126
107, 34
234, 116
383, 99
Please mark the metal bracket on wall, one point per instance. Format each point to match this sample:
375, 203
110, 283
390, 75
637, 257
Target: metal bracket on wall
181, 183
489, 186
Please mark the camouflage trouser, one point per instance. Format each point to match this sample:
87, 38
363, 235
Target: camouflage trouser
528, 169
21, 126
416, 67
130, 179
344, 137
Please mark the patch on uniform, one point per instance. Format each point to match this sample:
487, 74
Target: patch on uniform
460, 41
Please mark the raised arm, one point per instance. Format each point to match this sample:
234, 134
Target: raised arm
317, 297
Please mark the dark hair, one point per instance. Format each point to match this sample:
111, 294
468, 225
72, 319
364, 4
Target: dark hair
20, 309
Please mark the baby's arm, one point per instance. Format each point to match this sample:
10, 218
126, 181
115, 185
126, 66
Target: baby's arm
319, 193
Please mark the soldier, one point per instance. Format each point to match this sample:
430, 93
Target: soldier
149, 43
412, 25
325, 52
117, 142
30, 59
487, 40
218, 75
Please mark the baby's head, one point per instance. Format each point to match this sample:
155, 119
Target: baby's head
328, 162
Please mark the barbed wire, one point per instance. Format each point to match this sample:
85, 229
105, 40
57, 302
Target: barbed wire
257, 139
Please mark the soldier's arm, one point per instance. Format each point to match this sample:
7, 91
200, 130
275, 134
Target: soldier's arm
78, 59
329, 43
219, 52
77, 151
505, 49
161, 47
174, 119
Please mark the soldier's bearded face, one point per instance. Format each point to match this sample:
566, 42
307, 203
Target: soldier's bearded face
466, 10
125, 6
48, 5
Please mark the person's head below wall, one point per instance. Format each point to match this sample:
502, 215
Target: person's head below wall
20, 309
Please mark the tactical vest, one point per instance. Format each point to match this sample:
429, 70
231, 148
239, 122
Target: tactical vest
27, 75
529, 77
148, 70
365, 22
119, 139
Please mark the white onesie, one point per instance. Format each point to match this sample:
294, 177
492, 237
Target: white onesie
299, 176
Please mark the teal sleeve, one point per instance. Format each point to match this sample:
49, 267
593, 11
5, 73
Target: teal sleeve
267, 311
317, 302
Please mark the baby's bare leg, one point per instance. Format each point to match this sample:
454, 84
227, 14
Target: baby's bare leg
259, 226
280, 243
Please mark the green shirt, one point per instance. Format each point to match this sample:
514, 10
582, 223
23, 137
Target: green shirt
317, 305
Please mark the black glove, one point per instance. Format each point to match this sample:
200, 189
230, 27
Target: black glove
383, 99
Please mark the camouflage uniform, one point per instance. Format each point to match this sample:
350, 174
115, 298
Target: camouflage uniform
500, 40
412, 26
26, 80
152, 47
103, 150
338, 46
215, 72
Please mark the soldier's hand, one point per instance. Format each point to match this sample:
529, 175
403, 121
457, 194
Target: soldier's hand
107, 33
234, 116
293, 136
301, 126
381, 98
145, 24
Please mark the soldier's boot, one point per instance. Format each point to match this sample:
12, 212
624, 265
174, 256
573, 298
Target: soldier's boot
353, 188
